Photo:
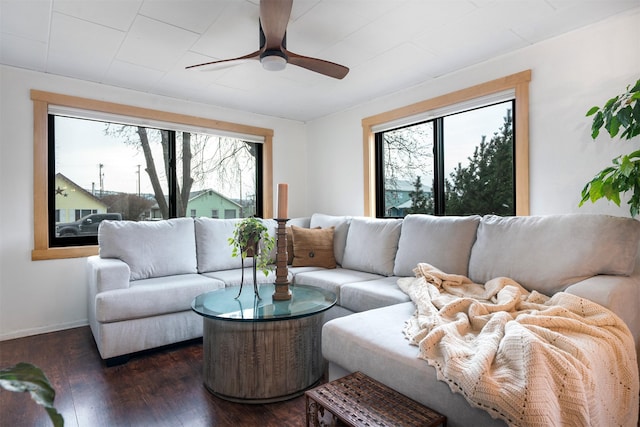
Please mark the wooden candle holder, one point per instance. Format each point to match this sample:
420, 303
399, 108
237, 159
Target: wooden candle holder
282, 292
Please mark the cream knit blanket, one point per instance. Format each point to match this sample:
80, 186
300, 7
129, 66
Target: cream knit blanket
523, 357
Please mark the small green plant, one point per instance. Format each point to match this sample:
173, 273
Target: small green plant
25, 377
251, 234
620, 112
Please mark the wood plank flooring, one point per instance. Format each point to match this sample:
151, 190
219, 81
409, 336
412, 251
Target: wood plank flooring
155, 388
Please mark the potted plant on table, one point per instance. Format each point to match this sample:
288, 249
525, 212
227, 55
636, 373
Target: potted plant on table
620, 112
251, 239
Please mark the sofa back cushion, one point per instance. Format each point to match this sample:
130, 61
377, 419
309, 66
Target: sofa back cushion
150, 248
341, 229
442, 241
549, 253
214, 251
372, 244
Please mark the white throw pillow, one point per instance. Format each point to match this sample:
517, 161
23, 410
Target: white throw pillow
214, 251
212, 242
372, 244
150, 248
442, 241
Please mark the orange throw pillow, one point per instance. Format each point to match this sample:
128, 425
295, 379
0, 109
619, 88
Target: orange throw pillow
313, 247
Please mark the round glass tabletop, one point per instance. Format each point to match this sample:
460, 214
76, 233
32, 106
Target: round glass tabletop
222, 304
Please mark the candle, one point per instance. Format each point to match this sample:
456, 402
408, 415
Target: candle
283, 201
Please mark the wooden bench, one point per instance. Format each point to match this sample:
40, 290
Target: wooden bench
357, 400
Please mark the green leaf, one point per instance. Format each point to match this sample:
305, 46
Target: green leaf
592, 111
611, 102
598, 121
613, 126
624, 116
626, 166
25, 377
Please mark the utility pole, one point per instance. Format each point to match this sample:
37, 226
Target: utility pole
138, 172
101, 175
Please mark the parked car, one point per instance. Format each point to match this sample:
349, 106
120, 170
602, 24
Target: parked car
87, 225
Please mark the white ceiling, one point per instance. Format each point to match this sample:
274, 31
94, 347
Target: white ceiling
389, 45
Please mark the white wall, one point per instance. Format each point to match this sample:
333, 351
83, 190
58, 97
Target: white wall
39, 296
570, 74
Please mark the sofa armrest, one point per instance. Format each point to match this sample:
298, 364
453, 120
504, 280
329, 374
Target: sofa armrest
107, 274
619, 294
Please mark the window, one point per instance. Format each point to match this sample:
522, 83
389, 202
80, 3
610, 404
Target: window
456, 164
417, 157
99, 163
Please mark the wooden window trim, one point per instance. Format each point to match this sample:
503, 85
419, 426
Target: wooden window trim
42, 100
518, 82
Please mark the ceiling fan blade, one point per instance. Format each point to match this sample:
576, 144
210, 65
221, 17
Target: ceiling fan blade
253, 55
274, 17
321, 66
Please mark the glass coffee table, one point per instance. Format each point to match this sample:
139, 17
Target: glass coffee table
261, 350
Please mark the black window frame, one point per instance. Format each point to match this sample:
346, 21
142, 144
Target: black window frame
438, 156
60, 241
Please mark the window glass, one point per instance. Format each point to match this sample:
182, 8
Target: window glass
478, 161
458, 164
127, 171
407, 159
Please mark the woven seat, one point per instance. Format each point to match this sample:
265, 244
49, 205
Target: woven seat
357, 400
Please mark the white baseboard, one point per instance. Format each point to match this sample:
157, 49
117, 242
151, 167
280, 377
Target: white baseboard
42, 330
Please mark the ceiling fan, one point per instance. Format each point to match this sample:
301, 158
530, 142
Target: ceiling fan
273, 53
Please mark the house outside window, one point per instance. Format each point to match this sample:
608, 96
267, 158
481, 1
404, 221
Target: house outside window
142, 172
459, 163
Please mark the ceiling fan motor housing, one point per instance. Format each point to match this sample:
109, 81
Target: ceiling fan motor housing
273, 60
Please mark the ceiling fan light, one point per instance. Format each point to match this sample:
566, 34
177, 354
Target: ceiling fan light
273, 62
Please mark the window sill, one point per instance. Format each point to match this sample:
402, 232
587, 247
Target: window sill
61, 253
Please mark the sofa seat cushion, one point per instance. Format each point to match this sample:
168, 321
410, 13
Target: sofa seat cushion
153, 297
442, 241
332, 279
234, 277
549, 253
295, 270
150, 248
370, 294
372, 244
372, 342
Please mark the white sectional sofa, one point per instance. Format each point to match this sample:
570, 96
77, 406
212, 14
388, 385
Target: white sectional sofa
142, 283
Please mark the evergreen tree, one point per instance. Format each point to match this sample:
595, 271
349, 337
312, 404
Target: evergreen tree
485, 185
419, 199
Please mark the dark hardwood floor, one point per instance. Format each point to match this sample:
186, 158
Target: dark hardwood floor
156, 388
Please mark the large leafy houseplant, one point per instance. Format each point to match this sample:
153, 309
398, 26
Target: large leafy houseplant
621, 112
251, 239
25, 377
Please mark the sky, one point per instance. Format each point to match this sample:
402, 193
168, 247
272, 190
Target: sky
83, 145
463, 132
